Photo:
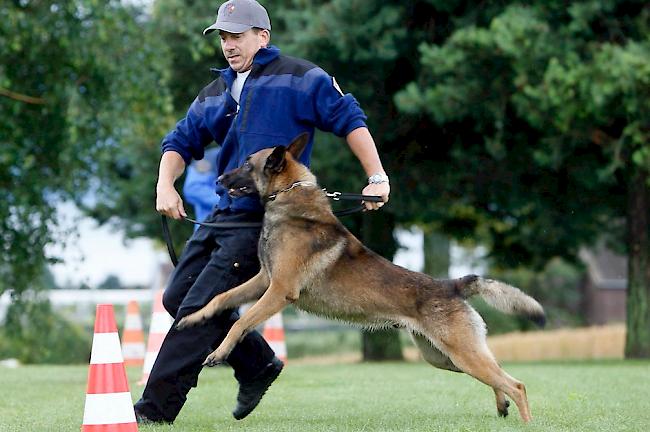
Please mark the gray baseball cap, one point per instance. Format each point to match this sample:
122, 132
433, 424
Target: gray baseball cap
238, 16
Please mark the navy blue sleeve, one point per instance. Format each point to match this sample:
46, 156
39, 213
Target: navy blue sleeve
190, 136
331, 110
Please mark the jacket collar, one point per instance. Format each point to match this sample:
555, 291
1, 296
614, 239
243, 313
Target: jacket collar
263, 57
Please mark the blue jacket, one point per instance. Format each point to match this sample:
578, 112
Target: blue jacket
282, 98
198, 188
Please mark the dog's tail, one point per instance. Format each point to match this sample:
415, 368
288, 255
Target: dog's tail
502, 297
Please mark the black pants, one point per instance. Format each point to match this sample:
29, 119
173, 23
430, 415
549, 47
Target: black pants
213, 261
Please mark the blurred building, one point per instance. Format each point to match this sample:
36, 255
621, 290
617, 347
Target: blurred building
604, 286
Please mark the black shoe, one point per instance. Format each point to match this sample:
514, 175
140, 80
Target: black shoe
142, 419
250, 393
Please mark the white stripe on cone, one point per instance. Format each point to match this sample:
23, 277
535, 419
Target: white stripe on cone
133, 350
108, 408
161, 322
274, 335
133, 322
106, 349
149, 360
279, 348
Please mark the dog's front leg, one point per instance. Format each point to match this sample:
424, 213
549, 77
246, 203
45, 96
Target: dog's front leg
272, 302
248, 291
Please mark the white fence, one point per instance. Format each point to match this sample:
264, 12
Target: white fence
85, 300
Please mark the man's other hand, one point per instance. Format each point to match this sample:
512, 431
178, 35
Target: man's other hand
378, 189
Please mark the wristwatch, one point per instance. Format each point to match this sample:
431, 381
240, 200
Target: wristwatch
378, 178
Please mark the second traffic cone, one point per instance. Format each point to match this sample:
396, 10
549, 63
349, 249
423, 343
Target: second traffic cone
108, 406
161, 322
274, 335
133, 336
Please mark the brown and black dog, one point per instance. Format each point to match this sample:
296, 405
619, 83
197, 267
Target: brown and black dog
310, 259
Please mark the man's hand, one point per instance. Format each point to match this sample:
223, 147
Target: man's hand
169, 202
379, 189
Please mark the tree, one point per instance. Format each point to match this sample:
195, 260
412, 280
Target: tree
547, 110
80, 100
110, 282
187, 56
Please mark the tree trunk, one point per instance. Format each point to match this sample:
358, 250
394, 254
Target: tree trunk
436, 255
377, 233
381, 345
637, 343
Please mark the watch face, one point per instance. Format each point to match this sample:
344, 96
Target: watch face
378, 178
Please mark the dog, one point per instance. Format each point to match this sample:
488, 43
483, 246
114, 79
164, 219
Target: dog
309, 259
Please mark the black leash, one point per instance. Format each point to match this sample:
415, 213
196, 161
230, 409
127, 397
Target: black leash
168, 239
336, 196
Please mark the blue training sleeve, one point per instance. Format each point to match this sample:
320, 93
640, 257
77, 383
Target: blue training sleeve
190, 136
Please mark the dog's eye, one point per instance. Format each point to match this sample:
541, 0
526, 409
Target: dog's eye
247, 166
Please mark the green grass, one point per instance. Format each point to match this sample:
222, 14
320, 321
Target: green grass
593, 396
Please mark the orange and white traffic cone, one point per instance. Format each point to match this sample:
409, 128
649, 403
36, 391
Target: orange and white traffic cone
108, 407
274, 335
133, 336
161, 322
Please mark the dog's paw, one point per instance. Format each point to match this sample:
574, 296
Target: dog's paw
504, 412
187, 322
212, 360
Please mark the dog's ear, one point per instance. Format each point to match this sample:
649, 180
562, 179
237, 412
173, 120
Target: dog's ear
276, 160
298, 145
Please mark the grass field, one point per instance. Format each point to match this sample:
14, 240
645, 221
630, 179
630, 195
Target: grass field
592, 396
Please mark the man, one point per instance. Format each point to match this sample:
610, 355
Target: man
263, 99
198, 188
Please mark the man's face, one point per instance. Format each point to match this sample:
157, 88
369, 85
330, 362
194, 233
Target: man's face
240, 48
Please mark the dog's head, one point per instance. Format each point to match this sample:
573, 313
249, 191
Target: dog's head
262, 170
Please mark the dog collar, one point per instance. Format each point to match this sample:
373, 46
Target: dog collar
293, 185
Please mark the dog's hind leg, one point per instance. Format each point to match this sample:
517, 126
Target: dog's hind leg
437, 358
273, 301
248, 291
466, 347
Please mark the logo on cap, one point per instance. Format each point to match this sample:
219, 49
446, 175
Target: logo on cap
230, 9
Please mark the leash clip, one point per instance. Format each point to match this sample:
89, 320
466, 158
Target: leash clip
336, 196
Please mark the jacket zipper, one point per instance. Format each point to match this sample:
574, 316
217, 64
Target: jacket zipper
246, 90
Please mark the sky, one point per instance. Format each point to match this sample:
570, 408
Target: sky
98, 252
463, 261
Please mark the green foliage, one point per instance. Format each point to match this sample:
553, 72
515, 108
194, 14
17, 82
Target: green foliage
179, 25
81, 105
34, 333
547, 111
